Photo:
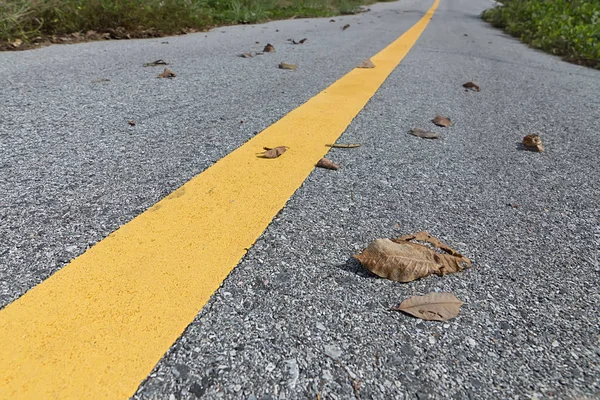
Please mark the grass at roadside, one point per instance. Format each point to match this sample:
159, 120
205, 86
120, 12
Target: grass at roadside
23, 22
568, 28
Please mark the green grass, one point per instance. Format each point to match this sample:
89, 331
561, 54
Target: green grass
568, 28
40, 20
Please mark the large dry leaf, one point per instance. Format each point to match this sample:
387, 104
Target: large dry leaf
422, 133
274, 152
167, 73
328, 164
367, 63
533, 143
269, 48
442, 121
432, 306
471, 85
345, 27
404, 261
287, 66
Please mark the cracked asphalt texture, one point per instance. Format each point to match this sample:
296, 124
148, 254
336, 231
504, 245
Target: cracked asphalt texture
299, 317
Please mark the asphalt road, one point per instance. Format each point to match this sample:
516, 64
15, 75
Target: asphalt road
298, 317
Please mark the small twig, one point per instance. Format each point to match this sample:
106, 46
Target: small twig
344, 146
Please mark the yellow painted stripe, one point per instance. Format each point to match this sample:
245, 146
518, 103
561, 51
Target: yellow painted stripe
96, 328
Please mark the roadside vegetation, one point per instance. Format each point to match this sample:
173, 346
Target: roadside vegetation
26, 22
568, 28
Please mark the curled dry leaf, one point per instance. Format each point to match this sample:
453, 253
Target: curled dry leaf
332, 20
471, 85
327, 163
269, 48
156, 63
167, 73
366, 64
345, 27
404, 261
432, 306
422, 133
245, 55
274, 152
344, 145
287, 66
299, 41
442, 121
533, 143
17, 43
131, 122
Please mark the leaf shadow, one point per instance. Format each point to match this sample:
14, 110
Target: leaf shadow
521, 147
354, 266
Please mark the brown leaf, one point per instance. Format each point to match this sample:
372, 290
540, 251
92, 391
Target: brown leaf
274, 152
533, 143
299, 41
245, 55
167, 73
269, 48
287, 66
404, 261
155, 63
327, 163
422, 133
332, 20
345, 27
344, 146
432, 307
471, 85
442, 121
131, 122
367, 63
16, 43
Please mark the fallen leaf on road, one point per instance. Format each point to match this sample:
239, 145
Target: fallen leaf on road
442, 121
513, 205
299, 41
366, 64
167, 73
155, 63
327, 163
16, 43
332, 20
422, 133
533, 143
344, 146
245, 55
404, 261
432, 306
274, 152
131, 122
345, 27
287, 66
269, 48
471, 85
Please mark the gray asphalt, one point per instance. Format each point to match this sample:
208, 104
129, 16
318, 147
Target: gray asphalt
298, 316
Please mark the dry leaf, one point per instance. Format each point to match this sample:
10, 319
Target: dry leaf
404, 261
155, 63
344, 146
432, 306
167, 73
533, 143
345, 27
299, 41
471, 85
366, 64
326, 163
422, 133
287, 66
274, 152
332, 20
269, 48
131, 122
245, 55
442, 121
16, 43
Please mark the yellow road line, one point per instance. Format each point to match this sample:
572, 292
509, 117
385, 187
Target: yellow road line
96, 328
